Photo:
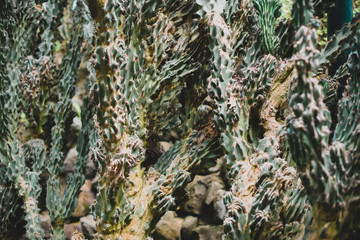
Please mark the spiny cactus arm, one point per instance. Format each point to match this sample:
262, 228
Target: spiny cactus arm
348, 106
10, 204
37, 81
306, 65
244, 29
345, 146
27, 24
302, 13
156, 68
8, 192
6, 13
61, 205
153, 193
268, 12
308, 136
25, 17
27, 181
285, 32
339, 43
231, 8
117, 148
222, 65
76, 180
83, 145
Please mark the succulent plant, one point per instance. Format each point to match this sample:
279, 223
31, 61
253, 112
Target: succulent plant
28, 74
228, 78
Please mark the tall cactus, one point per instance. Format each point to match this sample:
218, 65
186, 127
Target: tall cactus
28, 105
324, 164
229, 78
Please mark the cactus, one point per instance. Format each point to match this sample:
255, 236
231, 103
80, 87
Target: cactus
323, 163
268, 12
30, 73
229, 78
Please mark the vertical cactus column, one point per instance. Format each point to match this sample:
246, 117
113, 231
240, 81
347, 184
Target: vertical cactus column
25, 180
29, 72
323, 165
146, 65
61, 205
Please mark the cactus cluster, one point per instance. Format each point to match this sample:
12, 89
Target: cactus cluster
36, 97
326, 164
227, 79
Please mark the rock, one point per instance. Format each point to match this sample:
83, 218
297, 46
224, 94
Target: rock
219, 206
88, 226
165, 145
45, 223
76, 124
215, 212
70, 160
90, 170
220, 162
213, 189
86, 198
70, 229
208, 232
168, 228
197, 192
187, 227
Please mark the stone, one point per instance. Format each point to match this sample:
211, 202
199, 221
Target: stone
197, 192
76, 124
213, 189
88, 226
90, 170
86, 198
70, 228
165, 145
168, 228
220, 164
70, 160
45, 223
219, 206
187, 227
208, 232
